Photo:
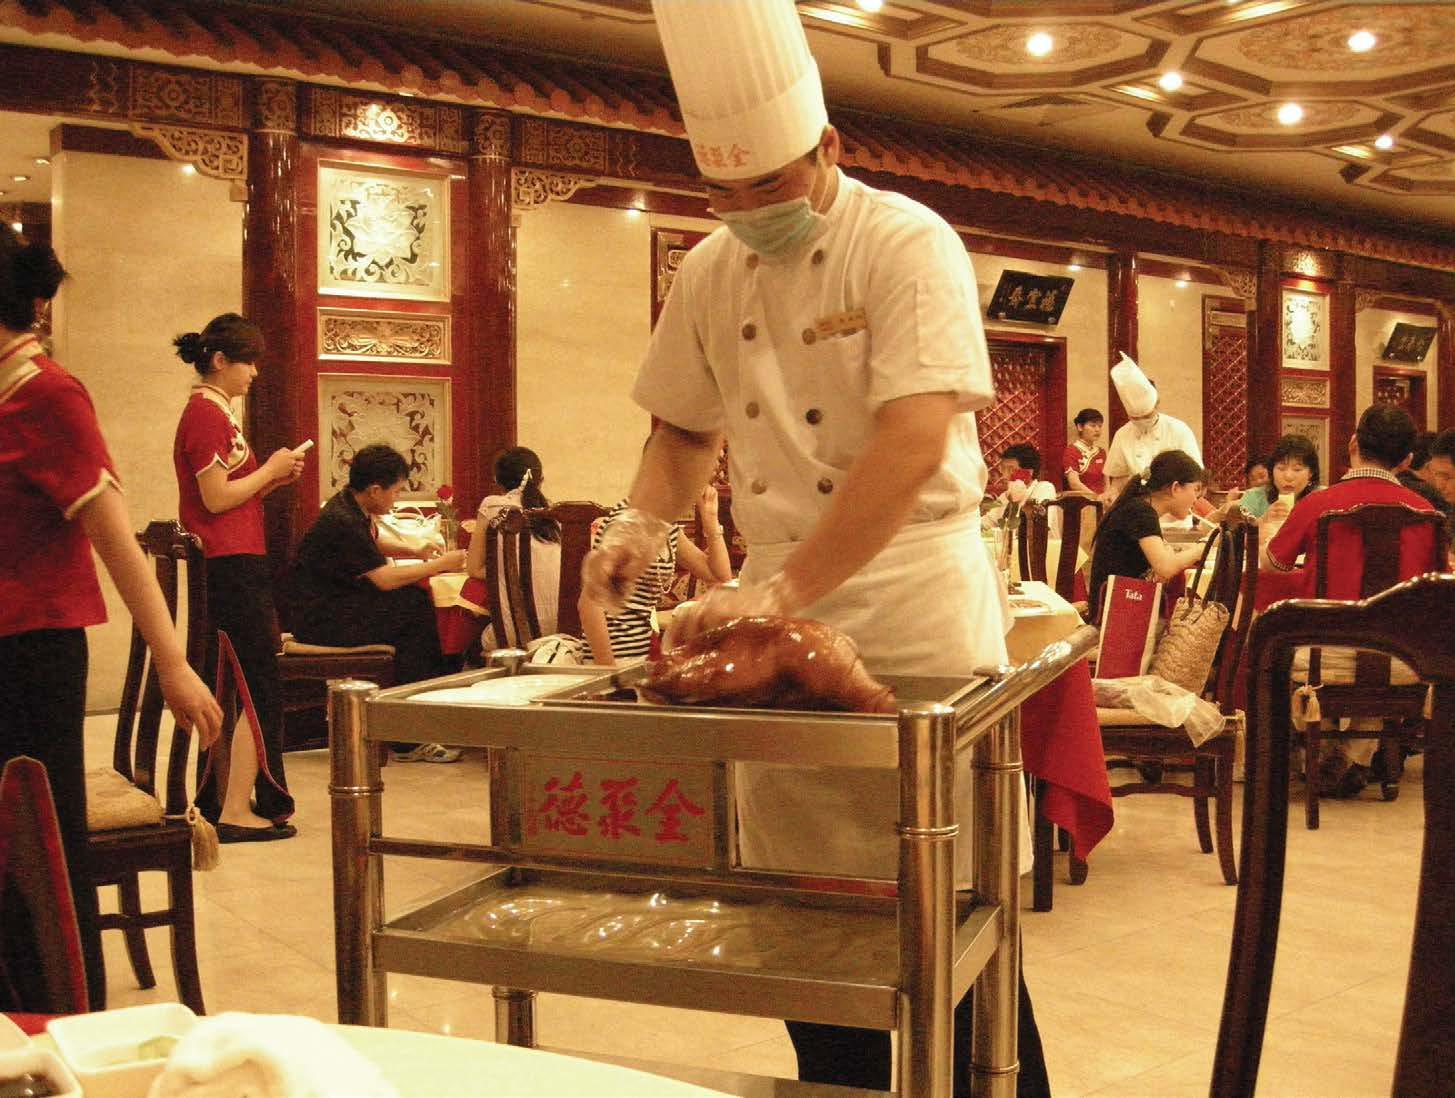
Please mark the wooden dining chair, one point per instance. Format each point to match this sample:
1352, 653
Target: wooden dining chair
132, 830
1156, 749
1370, 690
45, 972
509, 584
1032, 539
1076, 511
1383, 624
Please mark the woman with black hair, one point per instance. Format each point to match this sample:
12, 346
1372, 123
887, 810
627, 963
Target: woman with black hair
1294, 473
1129, 539
220, 489
518, 471
56, 493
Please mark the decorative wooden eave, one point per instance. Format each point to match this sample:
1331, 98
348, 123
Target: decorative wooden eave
276, 42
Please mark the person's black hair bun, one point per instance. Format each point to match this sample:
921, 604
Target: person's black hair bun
189, 347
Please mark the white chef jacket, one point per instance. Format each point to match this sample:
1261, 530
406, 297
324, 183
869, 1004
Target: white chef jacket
1132, 448
792, 356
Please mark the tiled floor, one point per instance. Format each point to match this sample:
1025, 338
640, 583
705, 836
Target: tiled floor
1127, 972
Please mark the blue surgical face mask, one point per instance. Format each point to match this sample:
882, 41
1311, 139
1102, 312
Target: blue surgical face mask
778, 228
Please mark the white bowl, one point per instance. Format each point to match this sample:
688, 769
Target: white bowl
30, 1060
102, 1048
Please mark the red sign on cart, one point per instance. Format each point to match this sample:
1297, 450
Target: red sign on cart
636, 811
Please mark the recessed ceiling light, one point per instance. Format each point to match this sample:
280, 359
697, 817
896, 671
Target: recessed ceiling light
1362, 41
1384, 141
1040, 44
189, 169
18, 226
1290, 114
1170, 81
1182, 281
20, 179
42, 161
871, 5
1073, 267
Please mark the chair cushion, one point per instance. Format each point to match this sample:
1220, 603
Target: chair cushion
112, 802
292, 647
1123, 718
1336, 666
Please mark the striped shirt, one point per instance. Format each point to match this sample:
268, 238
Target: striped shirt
631, 630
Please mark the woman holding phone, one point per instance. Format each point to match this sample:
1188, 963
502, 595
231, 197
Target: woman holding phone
220, 488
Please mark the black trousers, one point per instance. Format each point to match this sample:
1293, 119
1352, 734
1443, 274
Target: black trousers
403, 617
43, 715
240, 603
853, 1057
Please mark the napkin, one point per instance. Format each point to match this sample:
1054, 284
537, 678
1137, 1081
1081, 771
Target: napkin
267, 1056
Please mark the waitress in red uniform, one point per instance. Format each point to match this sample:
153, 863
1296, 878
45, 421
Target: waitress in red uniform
61, 499
220, 488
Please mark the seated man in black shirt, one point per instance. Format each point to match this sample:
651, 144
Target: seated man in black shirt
345, 592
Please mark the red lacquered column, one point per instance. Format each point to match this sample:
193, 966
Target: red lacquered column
492, 286
1121, 326
270, 293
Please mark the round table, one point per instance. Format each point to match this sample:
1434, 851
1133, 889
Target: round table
428, 1065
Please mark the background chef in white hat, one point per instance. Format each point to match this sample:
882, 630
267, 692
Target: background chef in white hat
1147, 432
832, 333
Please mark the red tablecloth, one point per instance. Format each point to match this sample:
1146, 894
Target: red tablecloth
460, 627
1061, 745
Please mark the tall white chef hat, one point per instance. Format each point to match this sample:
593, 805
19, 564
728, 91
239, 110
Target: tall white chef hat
1138, 395
748, 87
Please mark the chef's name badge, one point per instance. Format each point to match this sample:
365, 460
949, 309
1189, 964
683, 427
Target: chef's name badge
842, 324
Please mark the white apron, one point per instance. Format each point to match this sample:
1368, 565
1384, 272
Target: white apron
928, 604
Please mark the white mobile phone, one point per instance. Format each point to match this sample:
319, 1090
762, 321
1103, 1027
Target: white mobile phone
303, 447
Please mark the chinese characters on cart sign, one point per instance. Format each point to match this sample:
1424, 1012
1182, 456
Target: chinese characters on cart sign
575, 805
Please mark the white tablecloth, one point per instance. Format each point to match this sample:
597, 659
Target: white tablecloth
427, 1065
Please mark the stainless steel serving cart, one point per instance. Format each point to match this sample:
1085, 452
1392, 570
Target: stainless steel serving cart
612, 866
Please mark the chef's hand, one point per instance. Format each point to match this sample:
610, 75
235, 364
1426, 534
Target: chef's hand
774, 599
627, 547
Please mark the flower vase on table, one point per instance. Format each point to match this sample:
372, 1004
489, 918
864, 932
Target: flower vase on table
449, 516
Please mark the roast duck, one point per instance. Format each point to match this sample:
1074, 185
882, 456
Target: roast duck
768, 663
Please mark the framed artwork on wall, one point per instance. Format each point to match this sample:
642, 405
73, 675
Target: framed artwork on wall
1316, 430
1305, 330
383, 233
411, 414
374, 336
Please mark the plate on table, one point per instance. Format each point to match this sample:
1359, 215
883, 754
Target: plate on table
1024, 607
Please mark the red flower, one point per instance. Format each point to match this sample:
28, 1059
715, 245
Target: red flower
446, 493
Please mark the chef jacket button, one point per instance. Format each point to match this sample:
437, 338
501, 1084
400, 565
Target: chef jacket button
752, 409
817, 256
752, 260
750, 331
809, 335
759, 487
814, 416
825, 485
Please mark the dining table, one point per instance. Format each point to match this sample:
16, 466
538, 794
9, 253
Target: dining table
460, 607
1060, 736
434, 1065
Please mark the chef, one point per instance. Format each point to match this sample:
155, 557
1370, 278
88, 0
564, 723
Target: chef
832, 333
1148, 431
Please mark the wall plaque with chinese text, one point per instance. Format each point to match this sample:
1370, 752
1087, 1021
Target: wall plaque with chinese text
635, 811
1022, 296
1408, 343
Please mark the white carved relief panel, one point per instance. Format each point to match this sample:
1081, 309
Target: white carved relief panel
383, 337
383, 233
411, 414
1305, 330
